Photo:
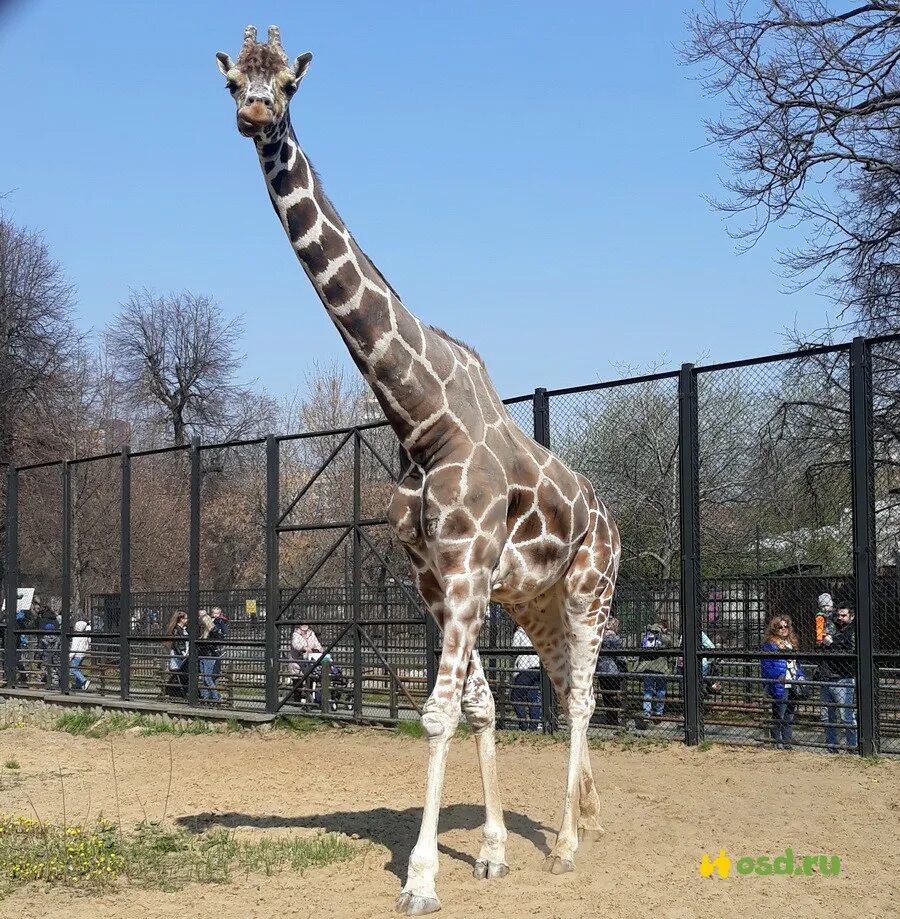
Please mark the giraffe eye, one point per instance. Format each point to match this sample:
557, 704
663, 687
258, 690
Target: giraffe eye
231, 85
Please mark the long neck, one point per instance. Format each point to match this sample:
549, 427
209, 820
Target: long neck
392, 348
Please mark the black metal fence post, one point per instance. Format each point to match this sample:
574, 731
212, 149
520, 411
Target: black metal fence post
193, 610
65, 628
12, 573
688, 452
356, 586
862, 466
125, 578
541, 415
273, 599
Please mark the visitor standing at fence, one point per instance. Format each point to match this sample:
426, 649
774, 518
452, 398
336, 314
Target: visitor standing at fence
176, 685
824, 619
218, 651
305, 647
782, 675
526, 692
655, 670
610, 670
707, 644
78, 651
21, 649
49, 649
839, 678
208, 648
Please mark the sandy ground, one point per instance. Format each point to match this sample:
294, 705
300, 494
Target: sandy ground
663, 809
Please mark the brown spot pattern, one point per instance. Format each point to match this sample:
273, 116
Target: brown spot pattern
343, 285
301, 218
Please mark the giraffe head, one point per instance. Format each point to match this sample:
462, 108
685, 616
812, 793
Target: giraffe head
262, 81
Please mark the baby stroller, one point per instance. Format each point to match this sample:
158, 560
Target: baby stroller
339, 687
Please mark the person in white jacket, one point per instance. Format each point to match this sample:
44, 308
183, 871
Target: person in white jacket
305, 647
78, 649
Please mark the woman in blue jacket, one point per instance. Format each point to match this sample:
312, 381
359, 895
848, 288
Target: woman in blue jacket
781, 675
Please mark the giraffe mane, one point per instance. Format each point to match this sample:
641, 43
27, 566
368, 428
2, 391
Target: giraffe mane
458, 342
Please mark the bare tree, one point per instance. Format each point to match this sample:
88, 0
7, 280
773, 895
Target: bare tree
626, 440
811, 134
39, 345
180, 353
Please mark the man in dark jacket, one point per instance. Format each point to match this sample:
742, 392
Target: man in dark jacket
839, 676
217, 636
609, 674
21, 648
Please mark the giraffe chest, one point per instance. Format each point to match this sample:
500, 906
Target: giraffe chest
525, 573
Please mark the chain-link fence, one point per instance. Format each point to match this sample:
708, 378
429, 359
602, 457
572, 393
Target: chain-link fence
756, 501
885, 445
774, 496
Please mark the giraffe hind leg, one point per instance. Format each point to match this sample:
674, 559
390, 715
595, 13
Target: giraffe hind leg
478, 707
585, 609
589, 826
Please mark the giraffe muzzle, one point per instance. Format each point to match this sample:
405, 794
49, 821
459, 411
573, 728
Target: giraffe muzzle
251, 119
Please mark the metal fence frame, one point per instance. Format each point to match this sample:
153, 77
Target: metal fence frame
867, 658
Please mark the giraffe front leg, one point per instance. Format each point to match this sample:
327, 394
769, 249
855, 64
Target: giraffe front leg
419, 895
478, 705
440, 717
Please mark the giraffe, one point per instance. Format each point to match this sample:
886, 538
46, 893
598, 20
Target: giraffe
483, 511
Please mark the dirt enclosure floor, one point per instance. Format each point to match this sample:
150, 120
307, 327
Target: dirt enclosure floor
663, 808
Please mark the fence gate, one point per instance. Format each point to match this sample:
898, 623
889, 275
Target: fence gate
332, 564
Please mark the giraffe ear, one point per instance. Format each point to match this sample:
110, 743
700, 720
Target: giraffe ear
301, 65
224, 62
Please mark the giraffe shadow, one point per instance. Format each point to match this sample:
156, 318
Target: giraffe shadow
396, 830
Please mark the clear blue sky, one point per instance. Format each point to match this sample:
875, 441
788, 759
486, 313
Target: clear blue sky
529, 176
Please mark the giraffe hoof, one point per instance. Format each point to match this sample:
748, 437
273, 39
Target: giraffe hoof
557, 865
590, 833
410, 904
490, 870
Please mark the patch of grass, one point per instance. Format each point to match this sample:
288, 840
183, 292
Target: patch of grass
624, 740
152, 856
505, 738
705, 745
155, 727
531, 738
167, 727
116, 721
78, 723
32, 851
413, 728
298, 723
410, 729
88, 725
11, 764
